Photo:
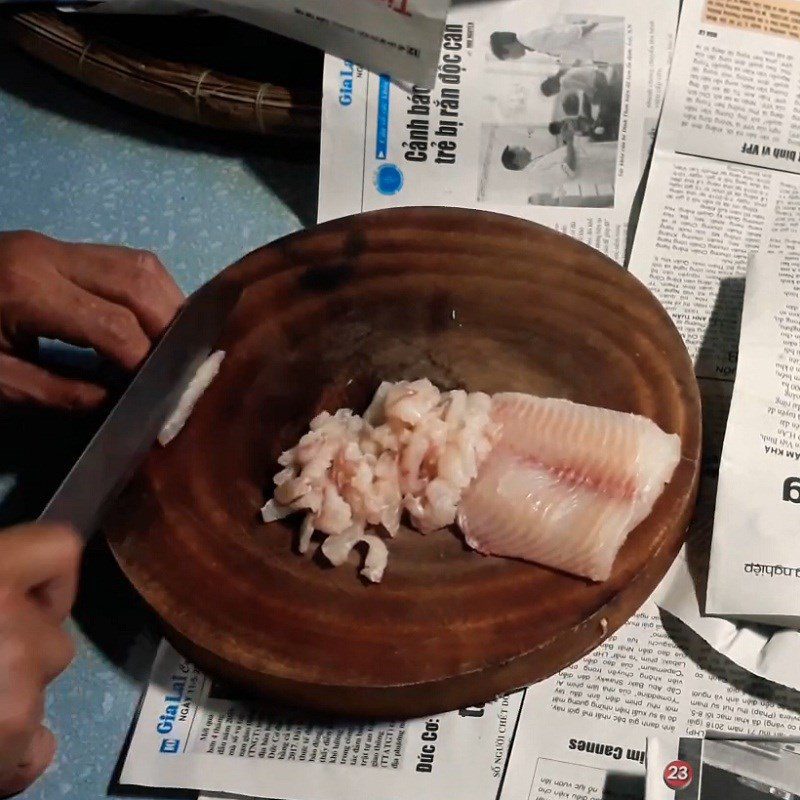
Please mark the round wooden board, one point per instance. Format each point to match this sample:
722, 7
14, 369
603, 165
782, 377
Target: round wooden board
465, 298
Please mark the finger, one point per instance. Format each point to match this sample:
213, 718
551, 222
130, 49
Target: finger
23, 695
35, 650
135, 279
50, 646
145, 261
76, 316
37, 757
24, 383
43, 559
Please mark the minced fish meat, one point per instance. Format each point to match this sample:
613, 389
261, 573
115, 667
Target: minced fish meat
414, 452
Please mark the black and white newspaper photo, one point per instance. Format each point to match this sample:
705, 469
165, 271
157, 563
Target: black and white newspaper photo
711, 768
570, 75
549, 117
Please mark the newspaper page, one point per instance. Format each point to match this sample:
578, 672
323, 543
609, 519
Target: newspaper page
544, 111
195, 733
583, 734
400, 38
754, 567
714, 768
723, 183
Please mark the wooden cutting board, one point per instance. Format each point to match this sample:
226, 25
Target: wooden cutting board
467, 299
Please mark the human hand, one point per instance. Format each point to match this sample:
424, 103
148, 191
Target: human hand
113, 299
38, 580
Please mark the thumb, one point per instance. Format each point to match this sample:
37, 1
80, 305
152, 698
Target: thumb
24, 383
34, 762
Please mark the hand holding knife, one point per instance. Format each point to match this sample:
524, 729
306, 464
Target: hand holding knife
117, 301
133, 425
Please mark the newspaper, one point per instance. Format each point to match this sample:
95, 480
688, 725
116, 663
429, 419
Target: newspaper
723, 184
583, 733
584, 730
754, 567
713, 768
400, 38
545, 111
195, 733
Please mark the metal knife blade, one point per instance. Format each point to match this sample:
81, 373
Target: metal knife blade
128, 433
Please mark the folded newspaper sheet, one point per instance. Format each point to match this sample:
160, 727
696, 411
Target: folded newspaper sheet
697, 768
710, 202
400, 38
195, 733
541, 111
755, 558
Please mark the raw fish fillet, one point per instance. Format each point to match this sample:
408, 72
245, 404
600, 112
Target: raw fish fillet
565, 483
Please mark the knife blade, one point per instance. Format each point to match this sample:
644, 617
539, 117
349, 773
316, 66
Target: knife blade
128, 433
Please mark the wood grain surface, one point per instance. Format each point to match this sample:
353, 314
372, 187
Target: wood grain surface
465, 298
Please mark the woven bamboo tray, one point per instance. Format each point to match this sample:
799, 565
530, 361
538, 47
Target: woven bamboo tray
208, 70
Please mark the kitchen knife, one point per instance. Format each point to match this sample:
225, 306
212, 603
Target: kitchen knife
128, 433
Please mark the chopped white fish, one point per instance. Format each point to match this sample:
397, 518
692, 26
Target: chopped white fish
337, 548
544, 480
414, 451
191, 394
374, 414
377, 557
306, 532
273, 511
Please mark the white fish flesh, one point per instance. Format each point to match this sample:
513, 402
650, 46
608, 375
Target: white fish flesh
566, 483
538, 479
413, 452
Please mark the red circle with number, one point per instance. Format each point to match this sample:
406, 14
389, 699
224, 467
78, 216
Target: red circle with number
678, 774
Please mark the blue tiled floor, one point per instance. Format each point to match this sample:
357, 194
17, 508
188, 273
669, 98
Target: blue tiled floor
78, 166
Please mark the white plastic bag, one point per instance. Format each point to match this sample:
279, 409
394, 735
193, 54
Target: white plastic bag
399, 38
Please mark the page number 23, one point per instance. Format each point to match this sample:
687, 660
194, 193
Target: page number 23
678, 774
